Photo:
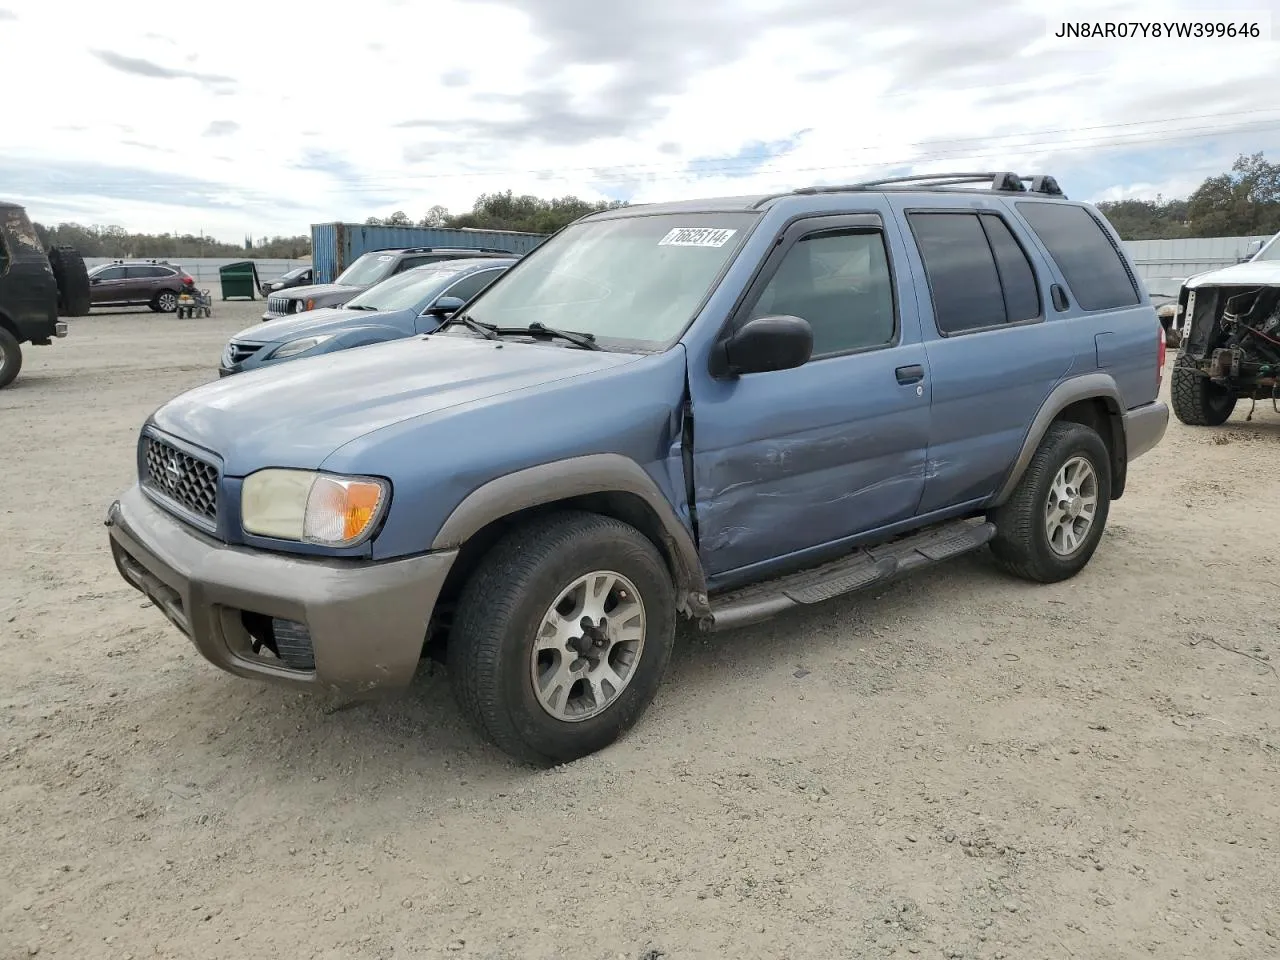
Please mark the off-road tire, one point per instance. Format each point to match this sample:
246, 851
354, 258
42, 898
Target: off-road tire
10, 357
1021, 544
158, 301
501, 609
73, 281
1197, 400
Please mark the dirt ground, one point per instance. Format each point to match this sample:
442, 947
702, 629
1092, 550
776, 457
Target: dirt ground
960, 765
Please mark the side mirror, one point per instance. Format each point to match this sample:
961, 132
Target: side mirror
445, 306
763, 345
1251, 251
95, 279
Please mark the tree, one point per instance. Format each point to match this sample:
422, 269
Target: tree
437, 216
1242, 202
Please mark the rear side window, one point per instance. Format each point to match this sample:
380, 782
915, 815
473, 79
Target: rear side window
1084, 253
1021, 295
979, 276
961, 270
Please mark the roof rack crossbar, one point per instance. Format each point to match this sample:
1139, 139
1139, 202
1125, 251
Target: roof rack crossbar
1002, 181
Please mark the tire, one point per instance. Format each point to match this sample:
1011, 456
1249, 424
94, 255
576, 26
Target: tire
166, 301
1022, 543
10, 358
502, 609
1197, 400
73, 281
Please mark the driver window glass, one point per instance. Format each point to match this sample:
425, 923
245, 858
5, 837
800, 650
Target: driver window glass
468, 287
840, 283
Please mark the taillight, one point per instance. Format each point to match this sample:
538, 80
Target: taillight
1161, 354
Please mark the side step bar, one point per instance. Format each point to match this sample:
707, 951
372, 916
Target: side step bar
859, 570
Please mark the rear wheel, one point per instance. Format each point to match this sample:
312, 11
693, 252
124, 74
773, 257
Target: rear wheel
1050, 527
10, 357
166, 301
1197, 400
562, 635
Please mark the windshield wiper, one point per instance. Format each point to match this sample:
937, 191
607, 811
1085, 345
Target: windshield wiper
486, 330
585, 340
360, 306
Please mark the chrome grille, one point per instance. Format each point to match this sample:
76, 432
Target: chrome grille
189, 482
278, 305
237, 352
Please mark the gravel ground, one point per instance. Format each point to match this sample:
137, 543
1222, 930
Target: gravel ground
960, 765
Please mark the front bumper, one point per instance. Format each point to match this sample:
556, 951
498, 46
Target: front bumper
1144, 427
367, 622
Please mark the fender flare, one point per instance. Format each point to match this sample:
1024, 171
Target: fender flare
550, 483
1088, 386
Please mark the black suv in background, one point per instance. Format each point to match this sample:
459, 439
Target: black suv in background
127, 283
366, 270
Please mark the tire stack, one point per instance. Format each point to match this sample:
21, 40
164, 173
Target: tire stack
73, 281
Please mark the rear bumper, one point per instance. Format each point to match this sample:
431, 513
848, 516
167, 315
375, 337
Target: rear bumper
1144, 428
365, 623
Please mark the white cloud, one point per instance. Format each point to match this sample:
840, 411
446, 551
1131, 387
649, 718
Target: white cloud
241, 117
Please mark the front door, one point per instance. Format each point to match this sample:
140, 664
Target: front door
108, 285
793, 460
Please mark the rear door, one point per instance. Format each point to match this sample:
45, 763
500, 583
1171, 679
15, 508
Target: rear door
994, 351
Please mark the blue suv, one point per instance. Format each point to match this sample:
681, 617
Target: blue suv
712, 410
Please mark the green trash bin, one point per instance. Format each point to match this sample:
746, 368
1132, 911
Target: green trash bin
239, 280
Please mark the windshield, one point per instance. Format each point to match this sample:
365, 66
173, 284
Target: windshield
296, 272
638, 279
405, 290
368, 269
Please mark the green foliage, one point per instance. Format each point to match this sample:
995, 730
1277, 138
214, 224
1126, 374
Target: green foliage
98, 241
1244, 202
506, 211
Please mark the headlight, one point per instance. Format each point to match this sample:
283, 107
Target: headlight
301, 345
312, 507
299, 306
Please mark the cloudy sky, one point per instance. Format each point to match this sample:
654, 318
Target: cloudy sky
237, 117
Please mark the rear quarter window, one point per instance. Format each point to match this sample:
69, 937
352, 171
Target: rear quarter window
1084, 252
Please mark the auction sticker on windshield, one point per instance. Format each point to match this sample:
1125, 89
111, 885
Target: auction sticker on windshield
696, 237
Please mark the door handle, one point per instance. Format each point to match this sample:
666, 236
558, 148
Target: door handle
911, 374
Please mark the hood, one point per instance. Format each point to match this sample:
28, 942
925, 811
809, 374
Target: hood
321, 290
296, 414
1253, 273
314, 322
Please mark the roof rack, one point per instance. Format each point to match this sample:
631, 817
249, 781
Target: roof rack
998, 182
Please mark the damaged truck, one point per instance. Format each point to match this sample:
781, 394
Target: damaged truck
1229, 340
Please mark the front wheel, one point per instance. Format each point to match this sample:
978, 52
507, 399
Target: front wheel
10, 357
1197, 400
562, 635
1051, 525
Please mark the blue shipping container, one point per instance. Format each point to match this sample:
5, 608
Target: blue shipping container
335, 246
